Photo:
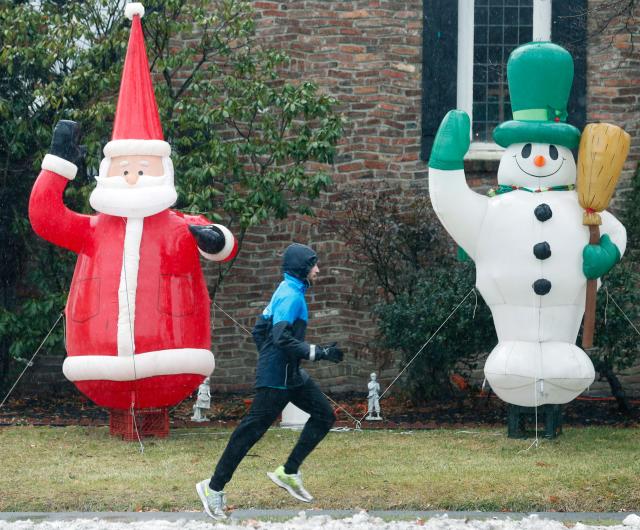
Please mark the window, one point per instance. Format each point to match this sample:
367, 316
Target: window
488, 31
466, 44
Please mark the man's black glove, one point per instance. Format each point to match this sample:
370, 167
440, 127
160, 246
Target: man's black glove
210, 238
329, 352
64, 143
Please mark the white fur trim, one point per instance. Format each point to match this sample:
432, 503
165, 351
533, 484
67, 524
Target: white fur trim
60, 166
229, 243
128, 286
132, 9
312, 352
148, 364
137, 147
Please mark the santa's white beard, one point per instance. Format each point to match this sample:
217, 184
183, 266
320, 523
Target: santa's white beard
148, 196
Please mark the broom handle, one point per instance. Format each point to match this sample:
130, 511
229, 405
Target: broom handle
590, 303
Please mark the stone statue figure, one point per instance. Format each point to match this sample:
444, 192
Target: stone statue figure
374, 399
203, 402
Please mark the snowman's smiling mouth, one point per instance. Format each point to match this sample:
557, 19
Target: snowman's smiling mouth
538, 176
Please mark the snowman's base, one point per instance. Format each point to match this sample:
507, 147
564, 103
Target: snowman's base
519, 418
139, 423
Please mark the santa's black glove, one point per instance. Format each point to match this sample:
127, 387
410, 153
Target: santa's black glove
329, 352
210, 238
64, 144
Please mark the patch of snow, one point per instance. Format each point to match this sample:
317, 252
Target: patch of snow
359, 521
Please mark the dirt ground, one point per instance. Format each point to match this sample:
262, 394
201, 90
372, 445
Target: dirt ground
471, 410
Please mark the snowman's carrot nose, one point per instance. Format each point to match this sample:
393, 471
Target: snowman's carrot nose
539, 161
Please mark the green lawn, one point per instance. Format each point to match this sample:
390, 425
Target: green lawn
83, 468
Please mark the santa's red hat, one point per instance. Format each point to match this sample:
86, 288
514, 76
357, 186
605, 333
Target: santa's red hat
136, 129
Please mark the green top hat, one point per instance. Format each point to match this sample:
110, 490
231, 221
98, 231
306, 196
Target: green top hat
540, 76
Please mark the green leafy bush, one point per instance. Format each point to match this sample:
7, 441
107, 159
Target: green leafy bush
412, 319
618, 307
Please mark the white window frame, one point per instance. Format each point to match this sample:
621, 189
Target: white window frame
541, 32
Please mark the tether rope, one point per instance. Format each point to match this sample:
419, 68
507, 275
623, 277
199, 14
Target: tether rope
30, 363
623, 313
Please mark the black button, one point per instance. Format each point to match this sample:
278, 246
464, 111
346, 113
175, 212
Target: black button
543, 212
542, 250
542, 286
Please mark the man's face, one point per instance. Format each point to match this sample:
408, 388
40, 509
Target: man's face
132, 167
313, 273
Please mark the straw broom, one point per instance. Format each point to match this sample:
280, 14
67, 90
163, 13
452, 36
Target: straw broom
603, 150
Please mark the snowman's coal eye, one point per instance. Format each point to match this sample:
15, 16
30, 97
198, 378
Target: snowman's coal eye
526, 151
553, 152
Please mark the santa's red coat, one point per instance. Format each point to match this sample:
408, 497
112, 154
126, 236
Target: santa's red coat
171, 338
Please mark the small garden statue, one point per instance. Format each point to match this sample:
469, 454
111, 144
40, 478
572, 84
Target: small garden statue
374, 398
203, 402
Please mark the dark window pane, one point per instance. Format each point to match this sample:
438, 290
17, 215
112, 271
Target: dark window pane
500, 26
526, 16
495, 54
495, 34
480, 55
511, 16
526, 34
479, 73
479, 111
492, 112
480, 35
479, 92
495, 16
511, 35
493, 94
481, 16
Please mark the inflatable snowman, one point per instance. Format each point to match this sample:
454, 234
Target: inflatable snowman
527, 238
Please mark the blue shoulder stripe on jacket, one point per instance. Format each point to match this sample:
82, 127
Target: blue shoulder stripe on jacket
287, 303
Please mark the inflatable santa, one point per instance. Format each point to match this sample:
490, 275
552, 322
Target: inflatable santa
137, 326
528, 241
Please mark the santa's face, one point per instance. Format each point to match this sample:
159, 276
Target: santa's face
134, 186
537, 166
131, 168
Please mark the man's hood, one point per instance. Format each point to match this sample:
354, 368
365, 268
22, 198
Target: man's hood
298, 260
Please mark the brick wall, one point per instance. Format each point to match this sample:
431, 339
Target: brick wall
368, 54
613, 74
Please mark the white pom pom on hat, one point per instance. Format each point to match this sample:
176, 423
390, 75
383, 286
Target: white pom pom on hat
132, 9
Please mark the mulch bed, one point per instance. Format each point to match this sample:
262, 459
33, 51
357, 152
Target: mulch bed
471, 410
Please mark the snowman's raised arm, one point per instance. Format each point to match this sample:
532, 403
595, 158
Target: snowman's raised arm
460, 209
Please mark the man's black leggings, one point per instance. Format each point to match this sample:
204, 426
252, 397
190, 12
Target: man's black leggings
265, 409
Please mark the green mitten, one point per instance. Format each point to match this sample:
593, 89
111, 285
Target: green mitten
599, 259
452, 141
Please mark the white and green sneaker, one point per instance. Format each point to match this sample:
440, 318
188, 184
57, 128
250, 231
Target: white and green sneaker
214, 502
292, 483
